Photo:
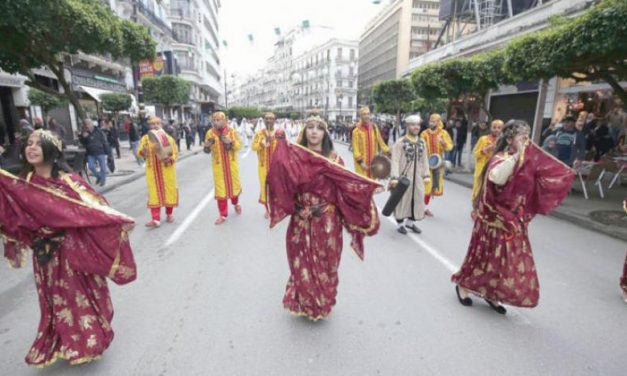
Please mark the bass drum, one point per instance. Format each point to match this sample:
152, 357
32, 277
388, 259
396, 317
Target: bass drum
395, 196
380, 167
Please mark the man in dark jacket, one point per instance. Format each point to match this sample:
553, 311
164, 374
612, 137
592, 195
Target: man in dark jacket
96, 147
133, 138
571, 145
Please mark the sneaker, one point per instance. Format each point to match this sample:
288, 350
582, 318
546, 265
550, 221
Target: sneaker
220, 220
238, 209
402, 230
414, 228
170, 218
153, 224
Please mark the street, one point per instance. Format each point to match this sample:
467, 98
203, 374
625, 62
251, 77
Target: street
207, 300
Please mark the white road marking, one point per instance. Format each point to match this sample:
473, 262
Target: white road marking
176, 235
515, 312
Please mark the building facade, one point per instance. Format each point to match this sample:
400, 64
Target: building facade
401, 31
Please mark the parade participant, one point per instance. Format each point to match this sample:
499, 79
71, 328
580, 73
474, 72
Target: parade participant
437, 141
520, 181
308, 182
159, 151
366, 140
409, 159
77, 241
264, 144
483, 151
223, 143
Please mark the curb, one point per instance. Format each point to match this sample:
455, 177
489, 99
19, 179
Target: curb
563, 215
137, 175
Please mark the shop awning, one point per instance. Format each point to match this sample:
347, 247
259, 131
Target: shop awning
95, 93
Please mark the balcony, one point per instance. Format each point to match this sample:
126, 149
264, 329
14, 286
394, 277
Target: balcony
152, 17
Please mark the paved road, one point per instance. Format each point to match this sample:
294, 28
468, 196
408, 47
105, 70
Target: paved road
208, 300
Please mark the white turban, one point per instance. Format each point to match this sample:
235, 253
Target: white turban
413, 119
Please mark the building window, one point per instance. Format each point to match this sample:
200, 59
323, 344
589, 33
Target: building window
339, 53
350, 102
352, 53
339, 83
183, 33
328, 55
351, 71
350, 84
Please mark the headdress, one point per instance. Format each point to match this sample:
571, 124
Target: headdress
312, 119
364, 110
514, 127
413, 119
437, 118
50, 137
497, 121
219, 115
269, 114
154, 120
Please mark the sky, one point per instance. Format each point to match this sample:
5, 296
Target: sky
238, 18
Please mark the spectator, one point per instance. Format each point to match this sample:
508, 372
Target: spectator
56, 128
617, 121
550, 146
105, 128
460, 141
39, 124
571, 146
114, 137
96, 146
601, 139
133, 138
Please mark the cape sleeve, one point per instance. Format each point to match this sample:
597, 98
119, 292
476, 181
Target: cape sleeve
282, 182
553, 180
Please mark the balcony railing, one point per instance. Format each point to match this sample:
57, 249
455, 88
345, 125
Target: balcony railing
153, 18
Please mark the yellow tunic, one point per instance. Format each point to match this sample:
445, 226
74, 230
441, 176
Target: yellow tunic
365, 142
431, 139
160, 177
264, 158
481, 159
225, 164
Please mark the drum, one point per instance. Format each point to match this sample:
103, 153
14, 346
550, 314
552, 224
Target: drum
395, 196
163, 147
380, 167
435, 161
435, 164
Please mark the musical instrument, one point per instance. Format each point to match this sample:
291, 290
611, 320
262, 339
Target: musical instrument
435, 164
380, 167
160, 140
396, 194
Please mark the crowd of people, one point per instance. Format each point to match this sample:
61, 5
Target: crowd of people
78, 240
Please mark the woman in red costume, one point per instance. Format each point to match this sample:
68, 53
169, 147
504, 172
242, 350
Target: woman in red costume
308, 182
77, 241
519, 181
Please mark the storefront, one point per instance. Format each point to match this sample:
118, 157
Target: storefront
10, 86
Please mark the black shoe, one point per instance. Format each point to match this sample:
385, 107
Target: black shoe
467, 302
414, 228
402, 230
497, 307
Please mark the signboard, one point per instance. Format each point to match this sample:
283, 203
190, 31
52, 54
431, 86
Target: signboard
161, 65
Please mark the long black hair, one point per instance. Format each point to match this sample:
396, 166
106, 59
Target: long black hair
327, 143
510, 130
51, 154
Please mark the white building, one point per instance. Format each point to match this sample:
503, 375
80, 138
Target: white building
326, 78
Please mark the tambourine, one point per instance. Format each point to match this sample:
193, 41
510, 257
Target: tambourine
380, 167
163, 147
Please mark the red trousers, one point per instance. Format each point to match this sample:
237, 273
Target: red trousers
427, 199
223, 205
156, 212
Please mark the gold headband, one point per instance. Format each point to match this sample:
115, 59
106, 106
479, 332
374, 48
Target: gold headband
219, 115
50, 137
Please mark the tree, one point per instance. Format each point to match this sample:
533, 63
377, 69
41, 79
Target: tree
586, 48
166, 90
46, 101
41, 33
393, 97
244, 112
116, 102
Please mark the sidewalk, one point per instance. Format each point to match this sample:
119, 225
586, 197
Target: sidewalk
602, 215
127, 169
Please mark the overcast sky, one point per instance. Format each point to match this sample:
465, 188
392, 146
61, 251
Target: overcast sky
238, 18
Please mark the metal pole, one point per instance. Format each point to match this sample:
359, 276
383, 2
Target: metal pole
536, 132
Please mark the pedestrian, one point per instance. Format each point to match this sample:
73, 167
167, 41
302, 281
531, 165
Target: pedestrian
460, 141
105, 127
438, 142
264, 144
366, 142
133, 138
224, 143
308, 182
114, 136
187, 133
550, 146
409, 160
96, 149
77, 242
160, 157
571, 145
56, 128
483, 151
521, 181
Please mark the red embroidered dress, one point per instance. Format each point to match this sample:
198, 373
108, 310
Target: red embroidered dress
499, 265
322, 197
76, 309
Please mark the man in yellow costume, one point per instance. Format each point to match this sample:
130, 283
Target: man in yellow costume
437, 141
223, 143
160, 153
264, 145
483, 151
366, 138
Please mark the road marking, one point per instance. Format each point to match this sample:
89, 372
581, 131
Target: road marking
515, 312
176, 235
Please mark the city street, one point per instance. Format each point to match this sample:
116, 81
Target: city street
207, 300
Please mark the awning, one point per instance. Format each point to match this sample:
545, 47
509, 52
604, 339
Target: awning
95, 93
